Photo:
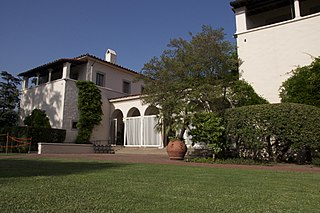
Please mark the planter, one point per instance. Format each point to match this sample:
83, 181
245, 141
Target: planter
176, 150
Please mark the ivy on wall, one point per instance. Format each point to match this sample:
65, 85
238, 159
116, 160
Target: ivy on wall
90, 109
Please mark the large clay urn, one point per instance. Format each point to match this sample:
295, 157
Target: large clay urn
176, 149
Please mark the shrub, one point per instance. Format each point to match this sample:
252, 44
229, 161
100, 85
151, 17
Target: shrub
303, 86
38, 118
316, 158
238, 161
277, 132
207, 128
37, 134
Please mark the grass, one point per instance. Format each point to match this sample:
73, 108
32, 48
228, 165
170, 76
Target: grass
48, 185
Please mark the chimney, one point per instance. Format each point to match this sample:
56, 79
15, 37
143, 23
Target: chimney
111, 56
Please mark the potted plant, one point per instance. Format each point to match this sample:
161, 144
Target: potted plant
176, 149
175, 127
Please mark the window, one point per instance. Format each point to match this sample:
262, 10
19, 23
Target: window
74, 124
309, 7
100, 79
126, 88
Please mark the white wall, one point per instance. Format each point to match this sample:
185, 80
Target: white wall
114, 78
48, 97
125, 104
101, 132
269, 53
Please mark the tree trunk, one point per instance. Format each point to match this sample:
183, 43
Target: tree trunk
182, 131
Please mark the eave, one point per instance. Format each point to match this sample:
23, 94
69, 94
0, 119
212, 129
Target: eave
39, 69
257, 6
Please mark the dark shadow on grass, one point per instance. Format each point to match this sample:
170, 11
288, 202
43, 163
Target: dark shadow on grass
29, 168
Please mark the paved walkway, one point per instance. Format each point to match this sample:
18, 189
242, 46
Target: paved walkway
159, 156
139, 150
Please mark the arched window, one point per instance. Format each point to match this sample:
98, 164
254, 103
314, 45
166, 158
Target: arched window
151, 110
133, 112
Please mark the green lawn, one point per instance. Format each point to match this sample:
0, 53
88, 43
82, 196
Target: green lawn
47, 185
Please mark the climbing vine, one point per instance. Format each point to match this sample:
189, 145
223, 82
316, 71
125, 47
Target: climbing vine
90, 109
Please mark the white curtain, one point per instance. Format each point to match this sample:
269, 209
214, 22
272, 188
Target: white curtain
142, 134
151, 136
133, 131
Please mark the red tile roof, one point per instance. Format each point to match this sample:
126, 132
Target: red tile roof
77, 60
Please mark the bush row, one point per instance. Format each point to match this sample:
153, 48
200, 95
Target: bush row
274, 132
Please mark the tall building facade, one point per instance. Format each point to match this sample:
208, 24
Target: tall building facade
273, 38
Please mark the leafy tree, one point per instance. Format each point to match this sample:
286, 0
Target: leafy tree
90, 108
241, 93
9, 99
38, 118
191, 75
303, 86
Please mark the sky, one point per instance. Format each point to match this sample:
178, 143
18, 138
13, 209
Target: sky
36, 32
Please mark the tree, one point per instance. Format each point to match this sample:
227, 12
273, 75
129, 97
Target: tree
38, 118
303, 86
9, 99
241, 93
191, 75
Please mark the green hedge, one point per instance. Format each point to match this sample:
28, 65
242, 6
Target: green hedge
274, 132
37, 134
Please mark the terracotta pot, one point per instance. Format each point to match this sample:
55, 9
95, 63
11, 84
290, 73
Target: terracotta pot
176, 150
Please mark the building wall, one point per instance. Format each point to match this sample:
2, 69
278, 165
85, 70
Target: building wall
48, 97
114, 78
270, 52
59, 98
70, 113
125, 104
101, 132
112, 88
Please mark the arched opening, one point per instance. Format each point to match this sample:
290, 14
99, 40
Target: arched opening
133, 128
133, 112
117, 128
151, 131
140, 129
151, 110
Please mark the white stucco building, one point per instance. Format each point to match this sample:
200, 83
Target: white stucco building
126, 121
273, 38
